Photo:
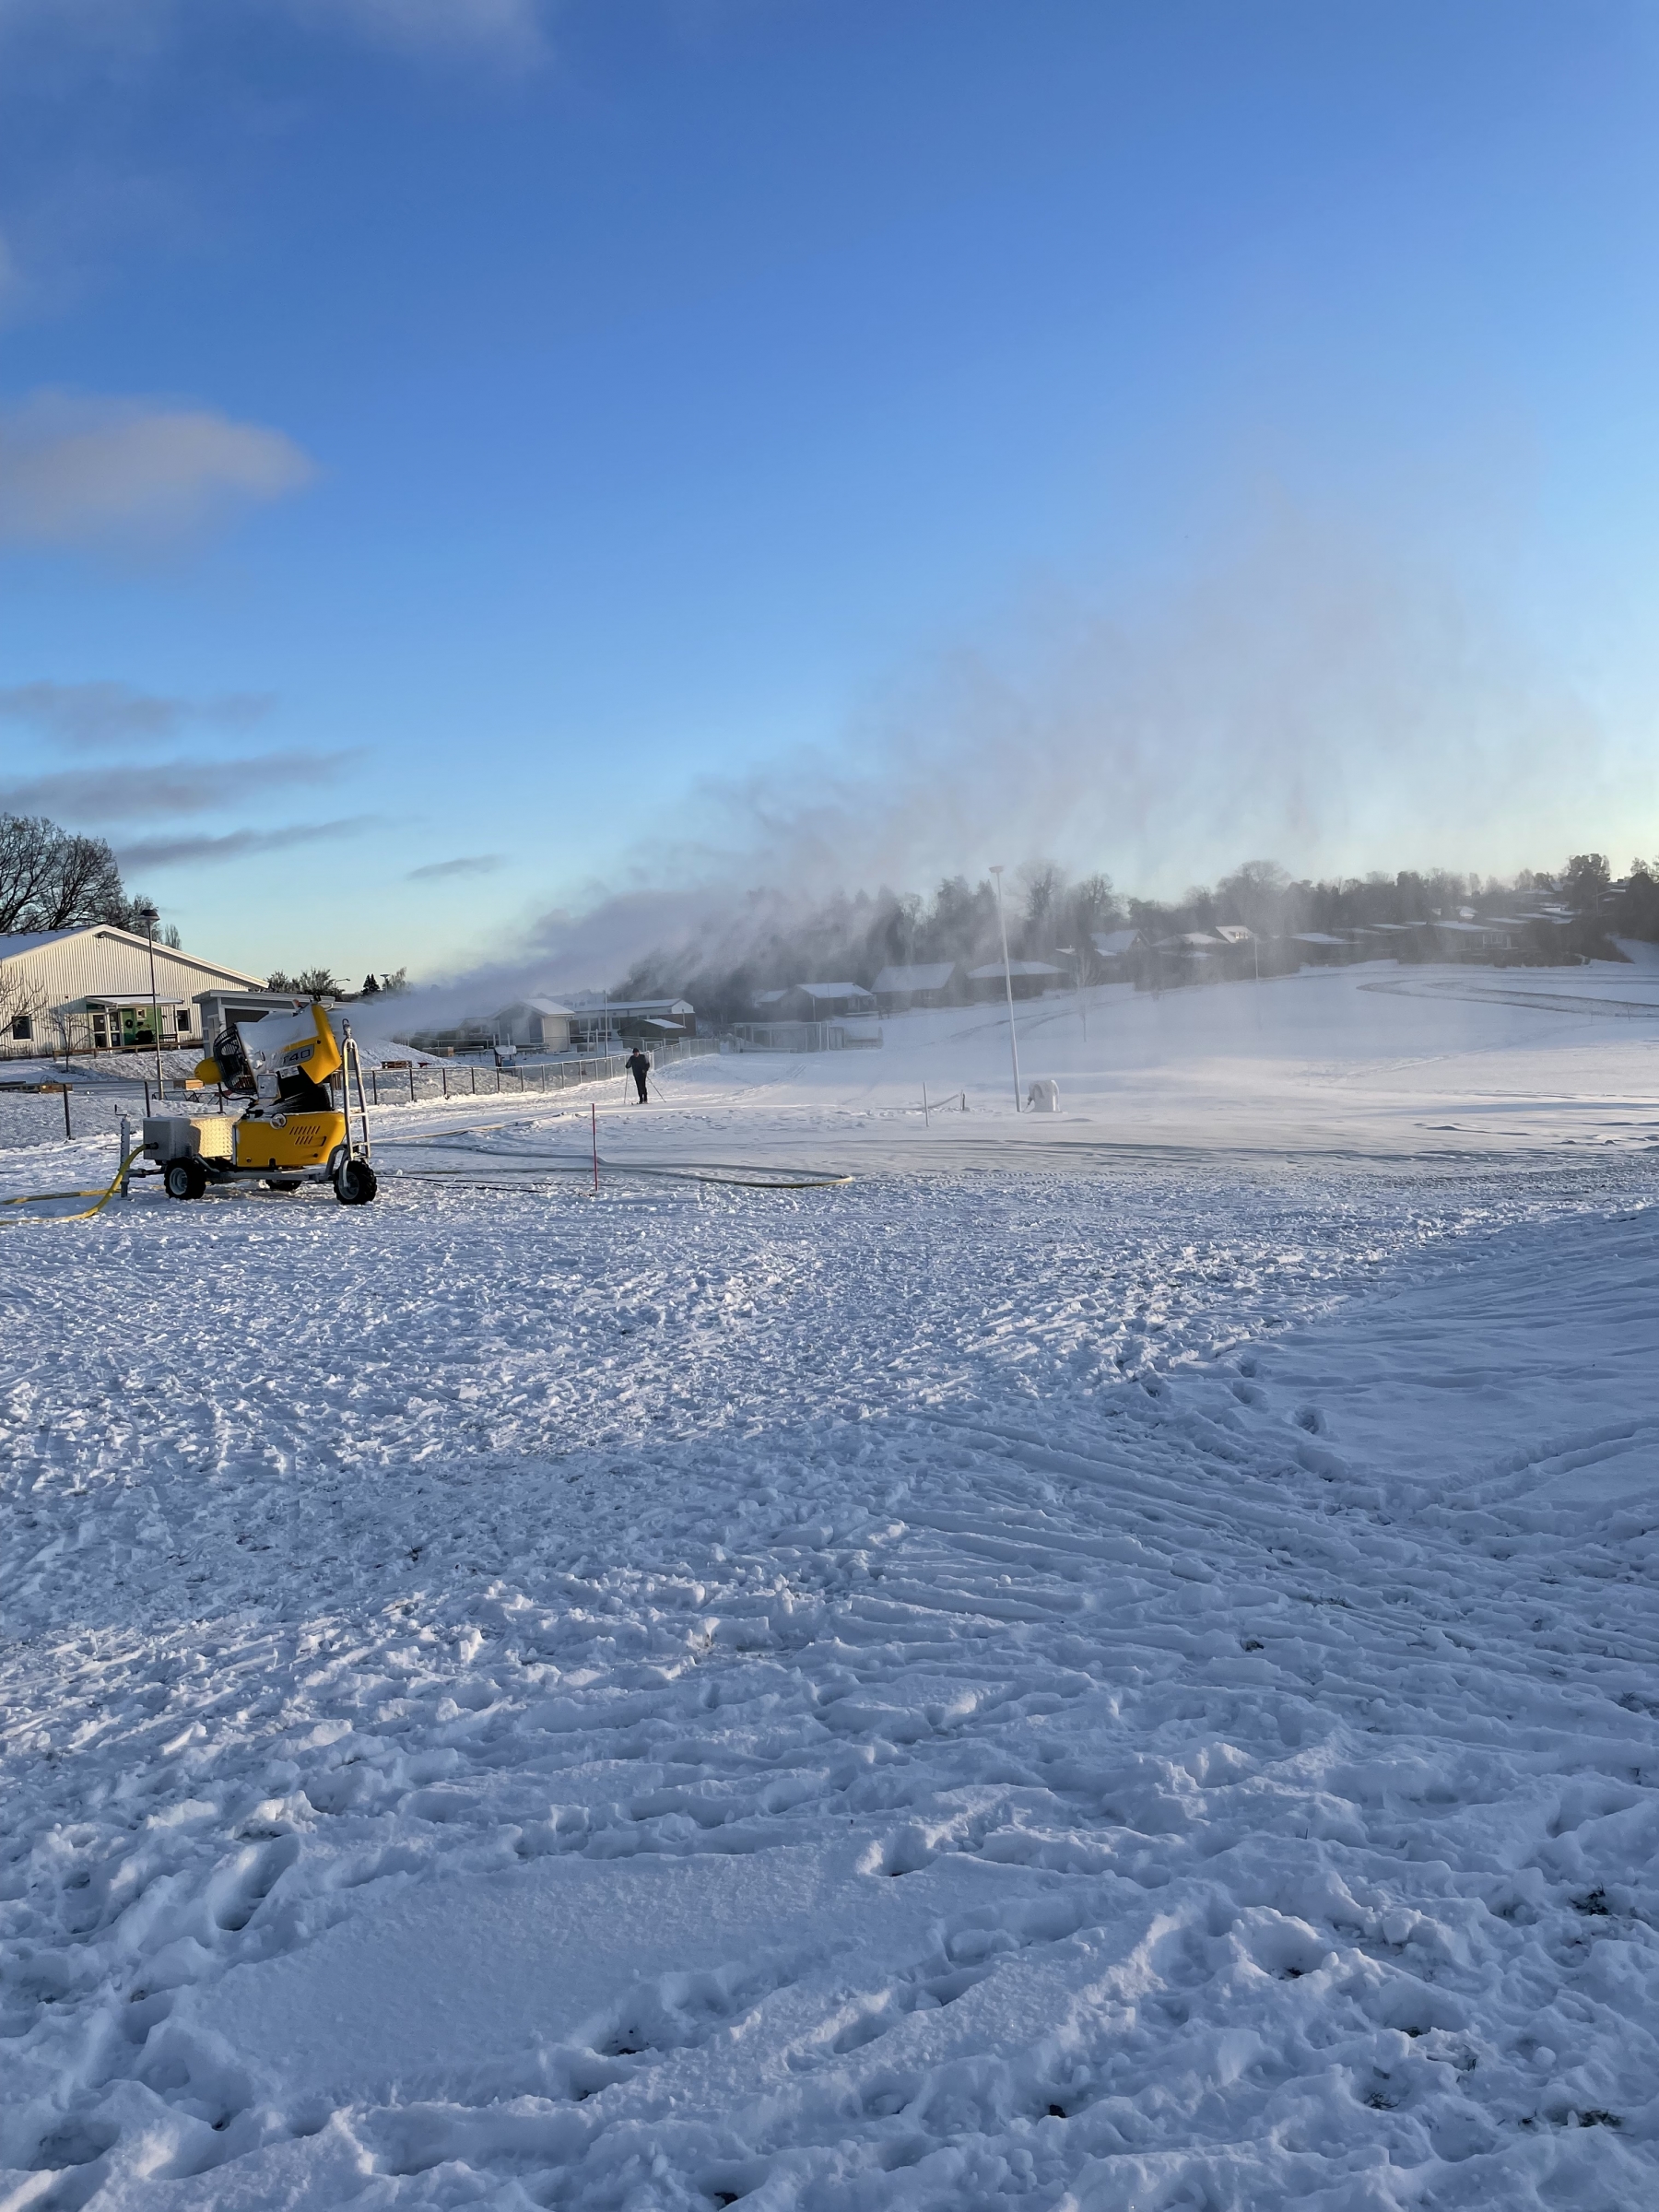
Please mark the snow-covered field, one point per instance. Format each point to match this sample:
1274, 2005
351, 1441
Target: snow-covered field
1107, 1663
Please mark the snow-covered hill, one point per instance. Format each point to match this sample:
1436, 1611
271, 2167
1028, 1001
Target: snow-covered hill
1108, 1662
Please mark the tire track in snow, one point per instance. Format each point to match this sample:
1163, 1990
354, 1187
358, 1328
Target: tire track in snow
1234, 1873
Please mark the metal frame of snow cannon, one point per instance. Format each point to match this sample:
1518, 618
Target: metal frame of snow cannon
293, 1132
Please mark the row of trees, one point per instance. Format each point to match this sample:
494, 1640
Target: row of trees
322, 983
50, 878
1052, 917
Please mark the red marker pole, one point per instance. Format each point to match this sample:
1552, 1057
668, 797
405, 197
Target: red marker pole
593, 1111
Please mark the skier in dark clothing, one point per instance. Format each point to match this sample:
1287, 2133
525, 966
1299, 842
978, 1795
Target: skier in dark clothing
638, 1068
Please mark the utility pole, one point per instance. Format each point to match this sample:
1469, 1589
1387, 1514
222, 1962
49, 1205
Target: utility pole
1075, 952
1008, 984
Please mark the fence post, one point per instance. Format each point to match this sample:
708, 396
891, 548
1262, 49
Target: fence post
373, 1083
67, 1131
411, 1082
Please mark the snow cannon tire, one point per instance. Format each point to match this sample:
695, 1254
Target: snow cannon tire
185, 1179
355, 1184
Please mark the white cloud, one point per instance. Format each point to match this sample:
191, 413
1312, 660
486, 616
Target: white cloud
80, 471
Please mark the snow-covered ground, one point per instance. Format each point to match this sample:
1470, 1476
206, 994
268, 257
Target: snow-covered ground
1108, 1662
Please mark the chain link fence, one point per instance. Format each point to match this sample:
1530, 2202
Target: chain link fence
407, 1085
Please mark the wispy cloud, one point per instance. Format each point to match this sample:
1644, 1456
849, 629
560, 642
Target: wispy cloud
472, 863
80, 796
133, 474
513, 31
235, 844
504, 30
88, 717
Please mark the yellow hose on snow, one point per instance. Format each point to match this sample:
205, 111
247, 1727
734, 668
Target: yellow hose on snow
86, 1212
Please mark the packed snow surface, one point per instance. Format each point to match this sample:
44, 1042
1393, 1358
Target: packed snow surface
1108, 1662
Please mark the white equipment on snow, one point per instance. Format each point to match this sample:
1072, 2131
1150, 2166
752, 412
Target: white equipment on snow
1043, 1097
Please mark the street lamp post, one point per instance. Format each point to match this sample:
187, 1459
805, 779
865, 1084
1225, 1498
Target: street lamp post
1008, 985
149, 917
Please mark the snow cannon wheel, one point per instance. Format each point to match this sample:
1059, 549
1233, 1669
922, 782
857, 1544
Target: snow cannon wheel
353, 1183
185, 1179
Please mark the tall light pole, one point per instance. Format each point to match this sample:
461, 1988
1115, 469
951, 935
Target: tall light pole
149, 918
1008, 985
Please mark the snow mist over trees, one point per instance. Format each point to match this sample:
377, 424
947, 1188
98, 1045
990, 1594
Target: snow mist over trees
852, 935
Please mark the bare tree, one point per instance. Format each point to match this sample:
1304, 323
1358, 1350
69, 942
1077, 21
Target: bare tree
50, 879
26, 843
82, 884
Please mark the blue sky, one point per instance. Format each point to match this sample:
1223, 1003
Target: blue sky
461, 458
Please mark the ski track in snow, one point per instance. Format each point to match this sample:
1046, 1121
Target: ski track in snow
1124, 1691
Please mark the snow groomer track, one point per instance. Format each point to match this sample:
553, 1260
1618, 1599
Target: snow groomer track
966, 1687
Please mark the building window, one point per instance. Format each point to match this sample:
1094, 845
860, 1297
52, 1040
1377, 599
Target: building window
22, 1027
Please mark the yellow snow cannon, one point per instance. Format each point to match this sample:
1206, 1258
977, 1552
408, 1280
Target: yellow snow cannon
298, 1126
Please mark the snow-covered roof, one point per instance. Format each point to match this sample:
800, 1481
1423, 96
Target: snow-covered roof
978, 975
1324, 937
769, 998
1111, 944
1466, 929
834, 990
931, 975
1234, 932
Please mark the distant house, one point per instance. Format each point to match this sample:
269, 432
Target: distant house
825, 1002
768, 1001
1321, 948
1457, 939
89, 991
528, 1025
536, 1025
900, 989
1116, 951
1191, 940
1029, 978
601, 1022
